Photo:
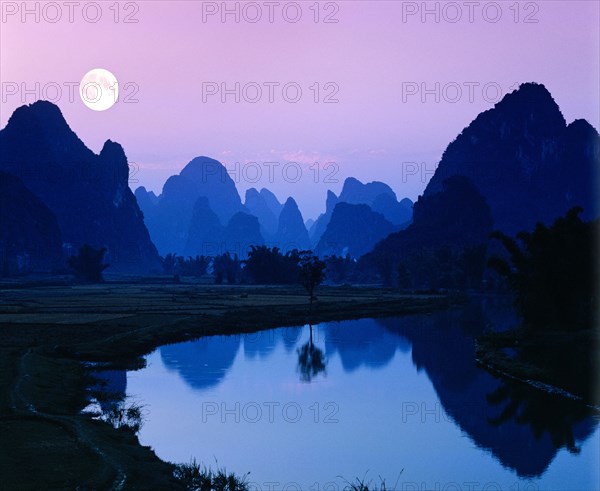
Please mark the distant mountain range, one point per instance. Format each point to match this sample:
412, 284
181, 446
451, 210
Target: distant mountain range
378, 196
519, 160
171, 216
199, 212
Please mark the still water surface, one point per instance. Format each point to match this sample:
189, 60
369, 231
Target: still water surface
400, 398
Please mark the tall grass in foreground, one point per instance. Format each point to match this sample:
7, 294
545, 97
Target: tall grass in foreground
361, 485
198, 477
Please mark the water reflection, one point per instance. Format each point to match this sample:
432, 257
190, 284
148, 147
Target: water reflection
521, 427
112, 384
311, 360
362, 343
564, 421
203, 363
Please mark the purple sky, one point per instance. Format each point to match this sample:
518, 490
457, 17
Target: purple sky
373, 132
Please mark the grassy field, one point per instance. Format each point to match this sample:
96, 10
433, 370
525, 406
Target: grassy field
48, 328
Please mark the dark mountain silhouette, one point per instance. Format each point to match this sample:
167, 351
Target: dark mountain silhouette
458, 215
257, 204
291, 231
29, 233
88, 193
524, 159
354, 230
169, 219
445, 244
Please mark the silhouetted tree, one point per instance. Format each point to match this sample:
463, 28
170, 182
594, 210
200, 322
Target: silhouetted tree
227, 267
192, 266
168, 263
312, 272
267, 265
88, 264
551, 271
340, 269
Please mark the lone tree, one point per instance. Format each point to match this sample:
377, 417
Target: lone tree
88, 264
312, 272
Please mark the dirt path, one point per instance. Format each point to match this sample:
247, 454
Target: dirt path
75, 425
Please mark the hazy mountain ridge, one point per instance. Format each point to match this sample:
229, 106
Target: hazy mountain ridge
353, 229
378, 197
256, 203
291, 231
170, 216
180, 224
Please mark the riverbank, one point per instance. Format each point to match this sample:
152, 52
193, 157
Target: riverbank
556, 362
49, 329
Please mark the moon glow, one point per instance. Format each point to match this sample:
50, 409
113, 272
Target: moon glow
99, 89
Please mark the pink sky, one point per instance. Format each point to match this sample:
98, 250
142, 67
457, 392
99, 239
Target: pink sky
371, 133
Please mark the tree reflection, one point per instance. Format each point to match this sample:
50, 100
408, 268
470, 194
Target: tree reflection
544, 413
567, 365
311, 360
523, 427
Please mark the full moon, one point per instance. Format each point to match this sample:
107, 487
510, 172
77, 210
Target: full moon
99, 89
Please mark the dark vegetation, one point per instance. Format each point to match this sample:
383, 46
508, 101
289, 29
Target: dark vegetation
199, 477
270, 266
88, 264
264, 266
312, 272
192, 266
552, 273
